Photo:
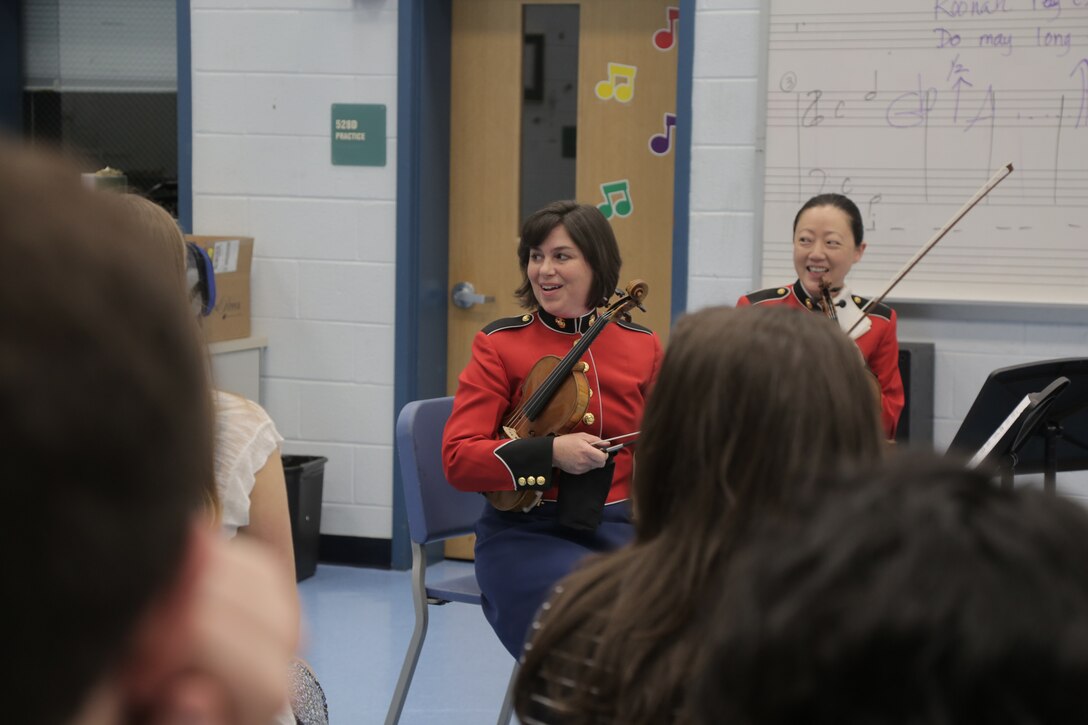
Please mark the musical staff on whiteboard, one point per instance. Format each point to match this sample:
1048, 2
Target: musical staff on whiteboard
906, 110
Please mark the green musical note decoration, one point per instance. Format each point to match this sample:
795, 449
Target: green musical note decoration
617, 199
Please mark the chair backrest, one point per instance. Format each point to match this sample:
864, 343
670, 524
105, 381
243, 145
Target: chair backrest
436, 510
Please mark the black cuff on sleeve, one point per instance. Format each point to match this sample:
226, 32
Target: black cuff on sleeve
529, 461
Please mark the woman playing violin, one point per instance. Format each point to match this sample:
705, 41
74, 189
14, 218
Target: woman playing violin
828, 239
570, 265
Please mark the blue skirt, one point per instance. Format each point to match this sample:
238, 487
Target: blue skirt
520, 557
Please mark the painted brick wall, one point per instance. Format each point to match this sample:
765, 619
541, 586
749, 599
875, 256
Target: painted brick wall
265, 73
969, 342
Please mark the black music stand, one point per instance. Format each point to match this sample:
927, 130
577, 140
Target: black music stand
1048, 436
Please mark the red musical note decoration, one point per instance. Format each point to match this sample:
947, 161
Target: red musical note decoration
665, 38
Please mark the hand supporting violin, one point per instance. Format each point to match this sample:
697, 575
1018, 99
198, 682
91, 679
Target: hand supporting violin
578, 453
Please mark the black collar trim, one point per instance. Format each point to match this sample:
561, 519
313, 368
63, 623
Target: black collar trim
806, 300
567, 325
810, 302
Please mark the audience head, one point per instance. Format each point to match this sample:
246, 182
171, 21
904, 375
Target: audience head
751, 407
105, 429
163, 246
160, 233
920, 594
589, 231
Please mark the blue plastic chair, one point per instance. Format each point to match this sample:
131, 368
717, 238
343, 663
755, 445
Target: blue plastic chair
436, 511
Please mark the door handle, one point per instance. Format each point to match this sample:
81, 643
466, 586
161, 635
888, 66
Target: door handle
464, 295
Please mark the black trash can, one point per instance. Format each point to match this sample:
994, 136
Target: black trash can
305, 479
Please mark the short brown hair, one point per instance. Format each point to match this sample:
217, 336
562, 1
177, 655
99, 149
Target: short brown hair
593, 235
105, 432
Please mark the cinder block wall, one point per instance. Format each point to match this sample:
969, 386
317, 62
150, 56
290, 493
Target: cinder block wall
265, 74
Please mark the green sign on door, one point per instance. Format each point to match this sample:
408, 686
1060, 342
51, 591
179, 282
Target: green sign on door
358, 134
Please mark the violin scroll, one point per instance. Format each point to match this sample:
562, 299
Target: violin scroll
637, 290
826, 299
632, 296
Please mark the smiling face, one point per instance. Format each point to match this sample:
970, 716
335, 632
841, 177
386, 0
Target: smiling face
560, 276
824, 247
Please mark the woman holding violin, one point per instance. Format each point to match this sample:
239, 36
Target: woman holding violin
828, 239
573, 494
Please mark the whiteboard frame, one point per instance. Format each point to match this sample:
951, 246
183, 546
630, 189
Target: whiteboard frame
761, 140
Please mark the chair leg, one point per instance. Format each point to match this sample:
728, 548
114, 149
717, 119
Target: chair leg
508, 701
415, 645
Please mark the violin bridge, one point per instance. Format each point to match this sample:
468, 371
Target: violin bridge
510, 432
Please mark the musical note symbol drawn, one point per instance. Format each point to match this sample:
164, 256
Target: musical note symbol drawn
620, 84
661, 143
665, 39
617, 199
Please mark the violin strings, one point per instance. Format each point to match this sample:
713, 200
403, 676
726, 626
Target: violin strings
546, 389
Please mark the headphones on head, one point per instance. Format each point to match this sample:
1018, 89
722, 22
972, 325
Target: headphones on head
200, 276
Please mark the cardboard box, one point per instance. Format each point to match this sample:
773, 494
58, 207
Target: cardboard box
232, 258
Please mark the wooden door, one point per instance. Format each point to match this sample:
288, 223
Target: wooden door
626, 103
615, 144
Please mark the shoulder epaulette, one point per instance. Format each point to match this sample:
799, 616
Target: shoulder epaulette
766, 295
508, 323
633, 326
877, 310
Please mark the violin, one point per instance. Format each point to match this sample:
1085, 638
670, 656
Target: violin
555, 394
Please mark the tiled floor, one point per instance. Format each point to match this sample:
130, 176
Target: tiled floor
358, 622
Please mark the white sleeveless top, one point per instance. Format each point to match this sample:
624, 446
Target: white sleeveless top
245, 437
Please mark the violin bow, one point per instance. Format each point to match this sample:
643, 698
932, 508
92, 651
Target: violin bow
999, 176
613, 446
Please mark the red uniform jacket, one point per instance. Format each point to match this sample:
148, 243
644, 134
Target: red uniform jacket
879, 346
623, 363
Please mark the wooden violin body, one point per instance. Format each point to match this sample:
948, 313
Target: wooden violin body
565, 410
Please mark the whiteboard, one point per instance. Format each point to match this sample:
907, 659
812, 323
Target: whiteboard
908, 108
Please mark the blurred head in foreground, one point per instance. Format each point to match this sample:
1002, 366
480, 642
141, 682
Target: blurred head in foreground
924, 596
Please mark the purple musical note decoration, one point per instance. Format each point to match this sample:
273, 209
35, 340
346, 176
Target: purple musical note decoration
661, 143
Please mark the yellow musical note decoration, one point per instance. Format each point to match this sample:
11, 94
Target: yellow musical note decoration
620, 84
